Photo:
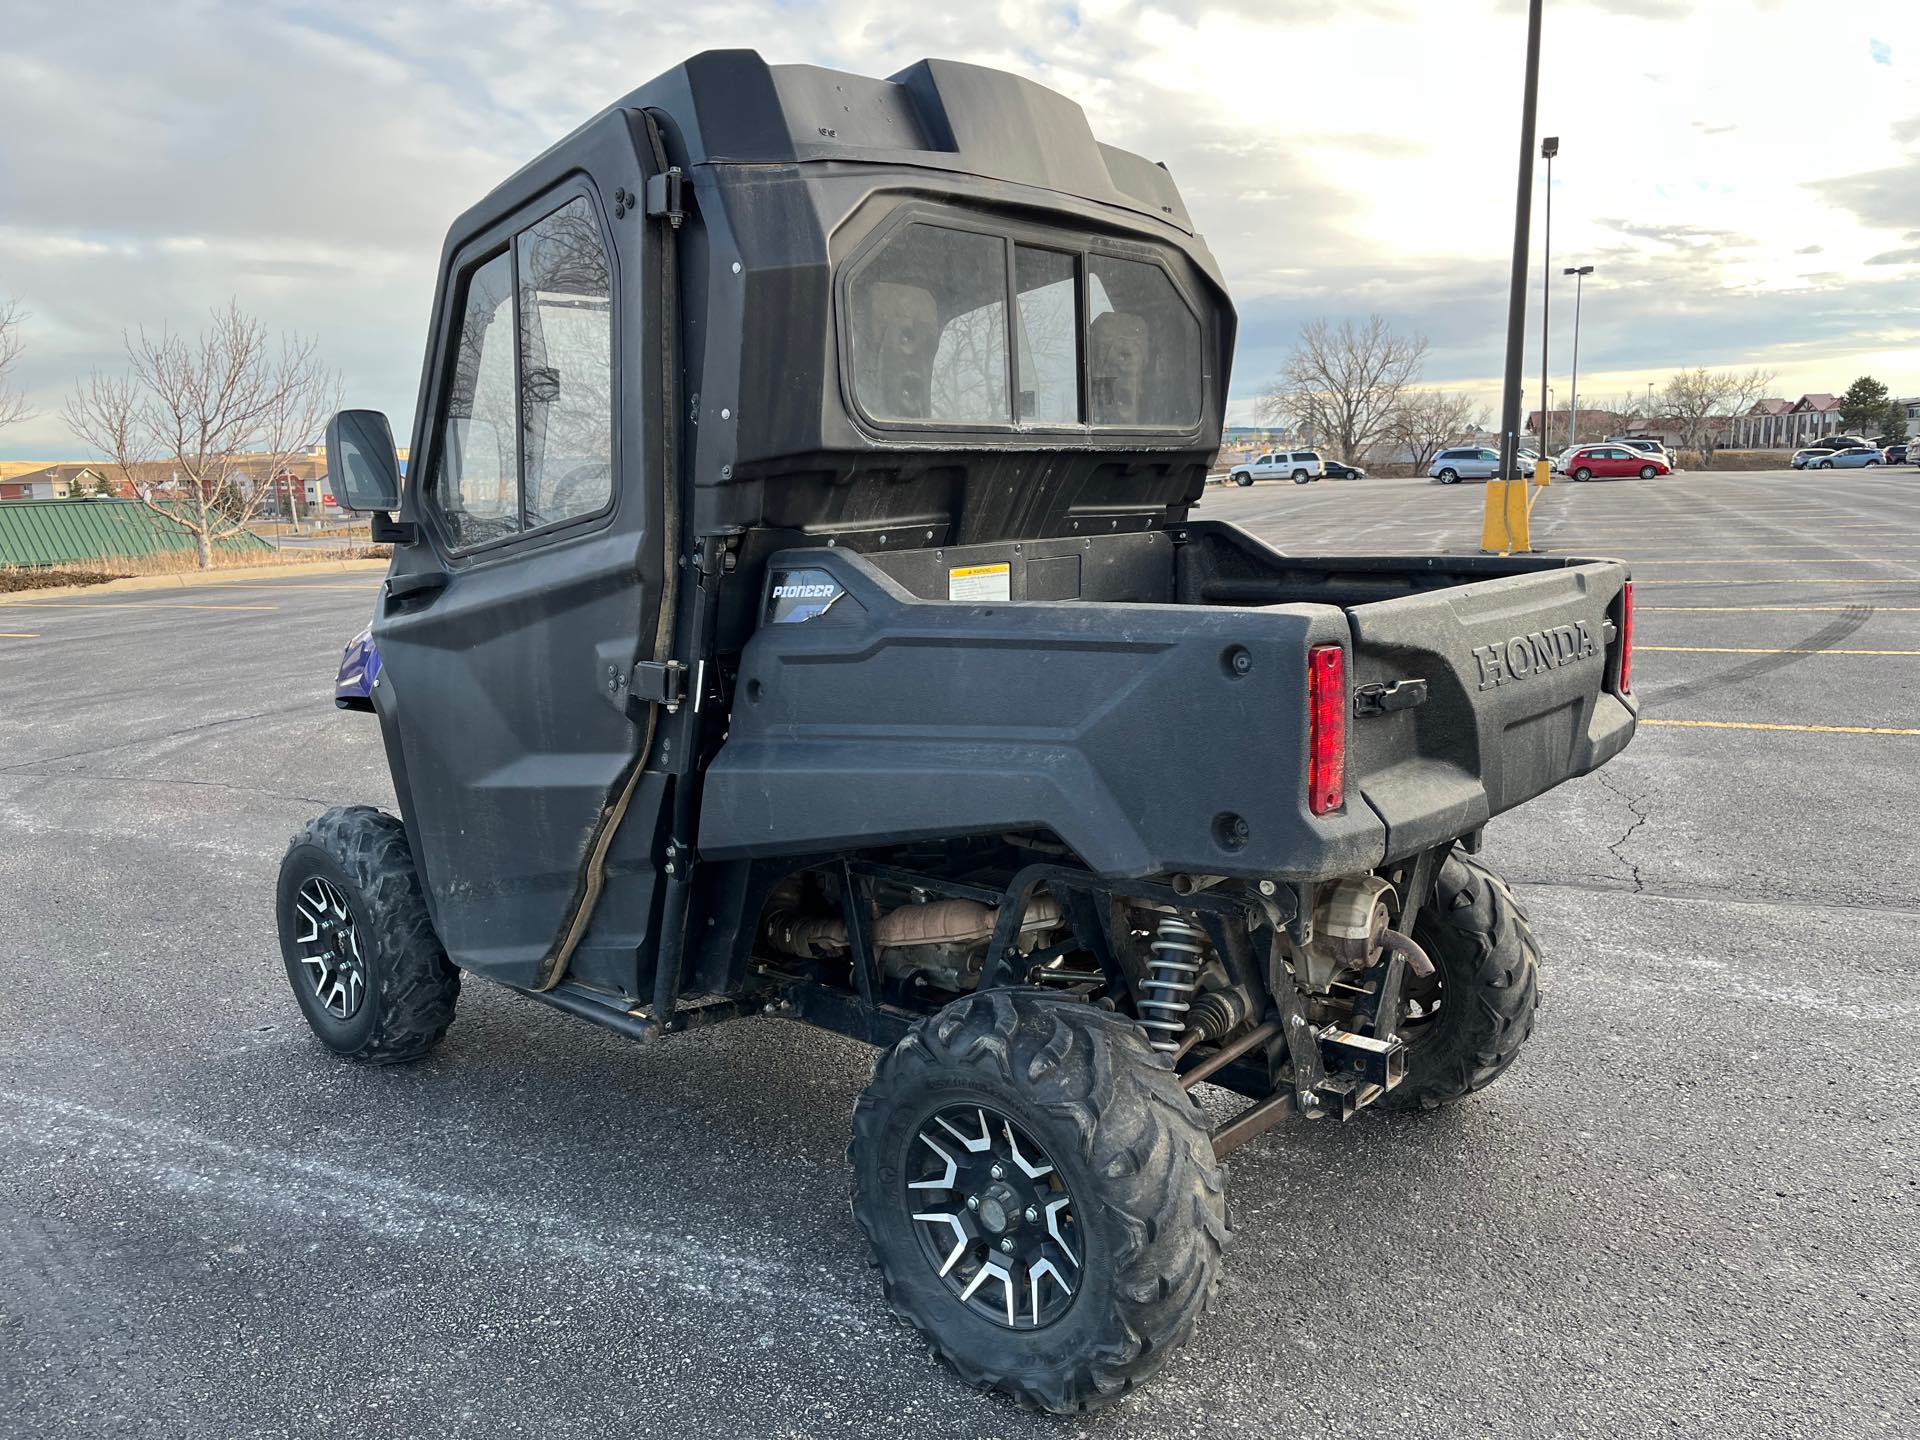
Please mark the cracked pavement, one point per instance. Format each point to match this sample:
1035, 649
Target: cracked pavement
1691, 1207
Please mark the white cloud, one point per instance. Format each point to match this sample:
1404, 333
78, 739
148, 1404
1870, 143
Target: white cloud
1740, 173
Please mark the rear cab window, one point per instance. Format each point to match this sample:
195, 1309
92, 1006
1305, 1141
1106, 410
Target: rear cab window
1090, 341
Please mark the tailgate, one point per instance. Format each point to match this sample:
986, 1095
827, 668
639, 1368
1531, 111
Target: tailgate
1521, 692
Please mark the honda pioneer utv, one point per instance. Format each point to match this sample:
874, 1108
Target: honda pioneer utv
796, 607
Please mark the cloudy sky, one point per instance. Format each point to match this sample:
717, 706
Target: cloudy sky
1744, 174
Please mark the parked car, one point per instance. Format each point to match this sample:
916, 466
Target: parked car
1340, 470
1803, 458
1854, 457
1645, 444
1897, 453
1589, 462
1300, 466
1466, 462
1839, 442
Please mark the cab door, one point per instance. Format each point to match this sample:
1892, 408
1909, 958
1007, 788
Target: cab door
509, 629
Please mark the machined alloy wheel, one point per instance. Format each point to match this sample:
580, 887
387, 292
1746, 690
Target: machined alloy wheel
1300, 477
1647, 472
1243, 478
1583, 473
995, 1218
1449, 477
1824, 465
329, 947
1040, 1194
357, 942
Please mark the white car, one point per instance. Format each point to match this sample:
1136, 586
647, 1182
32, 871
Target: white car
1300, 466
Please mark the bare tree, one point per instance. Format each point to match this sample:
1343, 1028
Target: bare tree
1703, 402
1342, 384
199, 428
1427, 421
13, 400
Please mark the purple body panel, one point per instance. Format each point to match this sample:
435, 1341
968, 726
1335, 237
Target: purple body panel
359, 668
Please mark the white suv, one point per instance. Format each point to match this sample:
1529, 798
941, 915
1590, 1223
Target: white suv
1299, 465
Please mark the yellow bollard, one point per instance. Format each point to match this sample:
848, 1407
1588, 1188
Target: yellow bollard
1493, 519
1543, 472
1503, 524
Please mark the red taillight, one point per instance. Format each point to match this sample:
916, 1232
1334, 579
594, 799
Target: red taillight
1626, 637
1326, 728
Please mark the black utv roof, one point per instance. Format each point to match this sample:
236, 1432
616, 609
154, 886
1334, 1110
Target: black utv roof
794, 174
732, 107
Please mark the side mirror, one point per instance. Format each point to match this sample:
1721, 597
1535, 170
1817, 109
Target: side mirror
361, 461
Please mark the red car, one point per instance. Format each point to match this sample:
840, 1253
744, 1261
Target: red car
1605, 461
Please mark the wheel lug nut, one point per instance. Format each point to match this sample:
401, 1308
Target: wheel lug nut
997, 1171
973, 1202
1033, 1212
1007, 1245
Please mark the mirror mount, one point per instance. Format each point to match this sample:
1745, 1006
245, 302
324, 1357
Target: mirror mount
364, 470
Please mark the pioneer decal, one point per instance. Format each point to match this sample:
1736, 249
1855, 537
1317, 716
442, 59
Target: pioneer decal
794, 596
1525, 656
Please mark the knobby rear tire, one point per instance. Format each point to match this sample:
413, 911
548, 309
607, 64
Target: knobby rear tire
1487, 964
1133, 1149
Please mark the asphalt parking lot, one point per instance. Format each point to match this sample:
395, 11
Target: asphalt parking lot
1691, 1208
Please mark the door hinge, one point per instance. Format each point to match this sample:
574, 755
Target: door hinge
666, 196
659, 682
1378, 699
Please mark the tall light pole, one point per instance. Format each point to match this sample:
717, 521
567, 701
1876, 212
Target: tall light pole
1579, 274
1549, 148
1517, 282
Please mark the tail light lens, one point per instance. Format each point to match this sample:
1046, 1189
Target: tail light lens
1326, 728
1626, 637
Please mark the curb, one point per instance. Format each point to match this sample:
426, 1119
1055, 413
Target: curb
199, 579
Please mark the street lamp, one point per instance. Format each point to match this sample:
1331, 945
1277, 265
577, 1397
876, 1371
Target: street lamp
1549, 148
1579, 273
1510, 381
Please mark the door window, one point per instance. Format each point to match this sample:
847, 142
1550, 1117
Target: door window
566, 366
479, 486
527, 437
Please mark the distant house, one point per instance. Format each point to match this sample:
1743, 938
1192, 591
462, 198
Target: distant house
1594, 425
1787, 425
57, 481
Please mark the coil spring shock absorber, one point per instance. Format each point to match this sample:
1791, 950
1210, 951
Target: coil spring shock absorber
1179, 948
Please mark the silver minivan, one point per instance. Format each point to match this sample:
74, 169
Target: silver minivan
1464, 462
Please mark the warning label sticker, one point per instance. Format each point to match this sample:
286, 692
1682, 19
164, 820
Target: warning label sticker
980, 582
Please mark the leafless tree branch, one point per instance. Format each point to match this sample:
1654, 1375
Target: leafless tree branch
1427, 421
199, 429
13, 400
1342, 384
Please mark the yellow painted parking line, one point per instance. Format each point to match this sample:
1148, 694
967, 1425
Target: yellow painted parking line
130, 605
1773, 609
1759, 650
19, 635
1765, 725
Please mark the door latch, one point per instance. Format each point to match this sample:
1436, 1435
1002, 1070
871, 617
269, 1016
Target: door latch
1378, 699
